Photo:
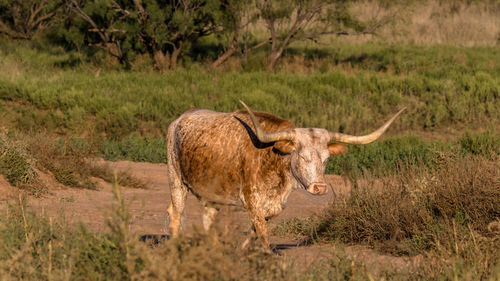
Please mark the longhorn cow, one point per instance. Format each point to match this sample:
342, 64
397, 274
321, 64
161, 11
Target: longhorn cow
247, 159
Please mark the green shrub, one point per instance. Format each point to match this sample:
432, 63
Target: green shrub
486, 144
135, 148
386, 156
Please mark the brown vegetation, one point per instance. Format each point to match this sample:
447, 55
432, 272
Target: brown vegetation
436, 22
448, 215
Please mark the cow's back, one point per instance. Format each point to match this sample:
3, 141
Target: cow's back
215, 153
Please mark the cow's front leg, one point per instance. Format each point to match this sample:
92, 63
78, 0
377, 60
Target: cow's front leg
259, 223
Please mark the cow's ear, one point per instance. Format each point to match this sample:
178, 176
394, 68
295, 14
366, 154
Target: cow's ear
284, 146
336, 149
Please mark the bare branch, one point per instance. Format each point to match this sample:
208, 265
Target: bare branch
10, 32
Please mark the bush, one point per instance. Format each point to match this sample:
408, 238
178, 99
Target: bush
449, 214
70, 162
135, 148
18, 166
35, 247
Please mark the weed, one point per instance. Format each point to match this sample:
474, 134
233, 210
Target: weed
123, 178
135, 148
18, 166
35, 247
443, 213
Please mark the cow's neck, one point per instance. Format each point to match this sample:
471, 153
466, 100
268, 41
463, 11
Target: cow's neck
278, 176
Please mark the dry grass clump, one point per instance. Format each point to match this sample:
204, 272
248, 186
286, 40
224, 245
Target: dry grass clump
22, 156
34, 247
123, 178
72, 165
447, 214
18, 166
69, 165
462, 23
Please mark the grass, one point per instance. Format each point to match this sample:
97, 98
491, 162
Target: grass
135, 148
443, 87
397, 154
448, 214
349, 88
71, 163
35, 247
454, 235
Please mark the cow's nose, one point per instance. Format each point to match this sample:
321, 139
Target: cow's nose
317, 188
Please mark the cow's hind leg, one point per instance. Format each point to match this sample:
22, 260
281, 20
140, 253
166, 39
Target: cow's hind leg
176, 208
178, 193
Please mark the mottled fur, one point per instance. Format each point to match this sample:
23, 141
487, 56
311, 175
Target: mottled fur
217, 157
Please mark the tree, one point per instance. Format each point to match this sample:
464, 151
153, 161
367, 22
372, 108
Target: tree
102, 24
168, 27
159, 28
234, 16
290, 21
23, 19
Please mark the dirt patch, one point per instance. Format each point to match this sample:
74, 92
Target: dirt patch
148, 210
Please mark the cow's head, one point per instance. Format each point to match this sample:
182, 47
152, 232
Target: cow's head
310, 148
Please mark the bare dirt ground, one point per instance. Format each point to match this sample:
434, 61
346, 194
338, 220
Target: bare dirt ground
148, 210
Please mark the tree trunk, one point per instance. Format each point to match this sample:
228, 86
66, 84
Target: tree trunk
161, 60
273, 58
222, 58
175, 55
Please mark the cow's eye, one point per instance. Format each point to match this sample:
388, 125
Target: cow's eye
305, 157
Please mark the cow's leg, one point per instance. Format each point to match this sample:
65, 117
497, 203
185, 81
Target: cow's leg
209, 214
259, 223
250, 238
178, 193
176, 208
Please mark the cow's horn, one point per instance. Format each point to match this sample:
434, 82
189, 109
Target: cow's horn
334, 136
268, 137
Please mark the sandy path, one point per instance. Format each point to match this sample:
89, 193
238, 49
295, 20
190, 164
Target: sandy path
148, 208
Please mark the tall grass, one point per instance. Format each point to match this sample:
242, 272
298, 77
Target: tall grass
404, 153
36, 247
361, 85
71, 163
449, 215
462, 23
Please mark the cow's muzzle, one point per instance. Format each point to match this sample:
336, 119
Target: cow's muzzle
317, 188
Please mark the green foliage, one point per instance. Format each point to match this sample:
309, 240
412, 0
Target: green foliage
402, 154
385, 156
485, 144
23, 19
135, 148
123, 29
439, 90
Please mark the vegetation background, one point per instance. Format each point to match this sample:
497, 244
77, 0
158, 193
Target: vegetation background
104, 78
